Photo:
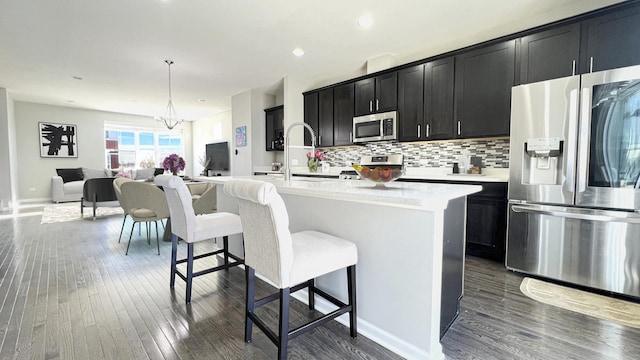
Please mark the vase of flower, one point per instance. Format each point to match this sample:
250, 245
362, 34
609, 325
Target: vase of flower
313, 165
173, 163
313, 160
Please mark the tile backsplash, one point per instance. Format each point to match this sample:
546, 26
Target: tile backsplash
494, 152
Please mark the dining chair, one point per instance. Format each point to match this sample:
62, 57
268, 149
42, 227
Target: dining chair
117, 187
190, 228
290, 261
147, 204
204, 197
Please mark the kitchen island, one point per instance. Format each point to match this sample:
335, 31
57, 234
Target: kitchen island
402, 232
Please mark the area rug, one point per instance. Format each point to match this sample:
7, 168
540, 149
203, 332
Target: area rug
603, 307
54, 213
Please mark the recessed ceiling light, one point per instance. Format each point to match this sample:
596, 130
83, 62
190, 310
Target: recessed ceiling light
365, 22
298, 52
70, 101
77, 78
203, 100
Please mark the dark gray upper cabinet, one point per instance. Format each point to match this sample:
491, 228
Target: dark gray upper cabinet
483, 81
550, 54
376, 94
438, 99
611, 40
325, 118
425, 101
343, 114
310, 115
410, 103
274, 128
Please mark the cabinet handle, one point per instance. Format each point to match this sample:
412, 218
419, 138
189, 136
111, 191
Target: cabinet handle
418, 131
573, 67
428, 130
458, 127
370, 105
273, 145
319, 139
591, 64
377, 104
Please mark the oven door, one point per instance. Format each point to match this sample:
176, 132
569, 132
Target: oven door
609, 140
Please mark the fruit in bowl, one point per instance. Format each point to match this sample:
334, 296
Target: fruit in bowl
378, 174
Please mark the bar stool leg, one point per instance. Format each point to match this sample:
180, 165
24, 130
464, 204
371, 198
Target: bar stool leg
189, 271
283, 326
174, 256
351, 288
249, 274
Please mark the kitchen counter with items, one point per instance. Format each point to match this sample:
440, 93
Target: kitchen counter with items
410, 239
412, 173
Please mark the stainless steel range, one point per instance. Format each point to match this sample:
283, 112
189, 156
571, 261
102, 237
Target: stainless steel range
574, 184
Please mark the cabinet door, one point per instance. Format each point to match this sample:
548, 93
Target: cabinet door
363, 96
411, 103
386, 90
343, 114
487, 222
550, 54
438, 99
612, 40
325, 117
483, 82
311, 115
274, 128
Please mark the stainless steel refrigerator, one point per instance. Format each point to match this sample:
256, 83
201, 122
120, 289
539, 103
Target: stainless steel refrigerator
574, 184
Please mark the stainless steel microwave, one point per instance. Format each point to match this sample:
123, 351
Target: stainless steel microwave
375, 127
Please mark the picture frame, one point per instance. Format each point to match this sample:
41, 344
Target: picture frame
58, 140
241, 136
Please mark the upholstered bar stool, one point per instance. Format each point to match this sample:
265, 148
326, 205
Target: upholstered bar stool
191, 228
290, 261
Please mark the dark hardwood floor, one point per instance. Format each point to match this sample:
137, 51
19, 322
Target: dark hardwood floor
68, 291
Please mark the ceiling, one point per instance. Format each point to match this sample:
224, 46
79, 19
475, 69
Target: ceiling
222, 48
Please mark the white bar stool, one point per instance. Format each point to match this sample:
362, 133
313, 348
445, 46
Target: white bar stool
191, 228
290, 261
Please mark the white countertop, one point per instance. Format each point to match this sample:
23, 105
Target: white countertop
413, 195
413, 173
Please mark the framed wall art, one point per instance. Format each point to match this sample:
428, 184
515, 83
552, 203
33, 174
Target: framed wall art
58, 140
241, 136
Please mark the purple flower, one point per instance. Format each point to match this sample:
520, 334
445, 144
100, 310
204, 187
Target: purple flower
173, 163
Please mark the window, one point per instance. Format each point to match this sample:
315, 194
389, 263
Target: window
131, 148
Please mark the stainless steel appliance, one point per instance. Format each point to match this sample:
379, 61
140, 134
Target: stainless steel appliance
574, 184
375, 127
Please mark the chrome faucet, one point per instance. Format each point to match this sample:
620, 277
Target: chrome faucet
287, 164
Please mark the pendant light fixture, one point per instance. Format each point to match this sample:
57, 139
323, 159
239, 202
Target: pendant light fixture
170, 118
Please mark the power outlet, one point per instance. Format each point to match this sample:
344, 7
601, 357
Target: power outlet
294, 162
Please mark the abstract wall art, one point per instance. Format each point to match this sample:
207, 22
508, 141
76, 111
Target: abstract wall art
58, 140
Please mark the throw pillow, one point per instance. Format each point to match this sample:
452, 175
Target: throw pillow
68, 175
144, 174
92, 173
158, 171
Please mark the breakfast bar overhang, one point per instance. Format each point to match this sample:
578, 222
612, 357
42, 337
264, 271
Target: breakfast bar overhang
401, 231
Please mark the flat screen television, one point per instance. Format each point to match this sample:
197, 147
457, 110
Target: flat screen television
218, 156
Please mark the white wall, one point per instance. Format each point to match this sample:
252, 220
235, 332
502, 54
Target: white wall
34, 172
216, 128
248, 110
6, 183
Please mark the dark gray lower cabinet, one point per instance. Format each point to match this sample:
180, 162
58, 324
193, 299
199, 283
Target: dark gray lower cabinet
486, 226
487, 222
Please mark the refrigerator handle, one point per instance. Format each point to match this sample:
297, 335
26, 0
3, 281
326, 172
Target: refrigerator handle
575, 214
572, 141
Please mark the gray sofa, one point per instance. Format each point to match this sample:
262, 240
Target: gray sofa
67, 185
